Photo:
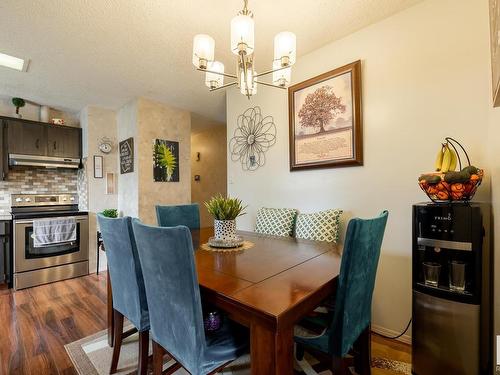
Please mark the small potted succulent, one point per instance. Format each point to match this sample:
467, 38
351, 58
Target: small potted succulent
110, 212
18, 103
225, 210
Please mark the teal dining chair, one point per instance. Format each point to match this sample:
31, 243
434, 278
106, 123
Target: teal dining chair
348, 326
183, 214
127, 285
174, 301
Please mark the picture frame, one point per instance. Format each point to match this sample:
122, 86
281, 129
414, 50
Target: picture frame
325, 120
98, 167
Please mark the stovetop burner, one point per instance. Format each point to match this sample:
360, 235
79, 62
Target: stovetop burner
44, 205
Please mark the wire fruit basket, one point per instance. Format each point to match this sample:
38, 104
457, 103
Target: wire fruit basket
452, 186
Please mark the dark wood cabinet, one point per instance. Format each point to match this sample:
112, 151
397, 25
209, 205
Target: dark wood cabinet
32, 138
26, 138
63, 142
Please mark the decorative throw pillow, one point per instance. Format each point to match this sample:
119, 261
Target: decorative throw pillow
276, 221
319, 226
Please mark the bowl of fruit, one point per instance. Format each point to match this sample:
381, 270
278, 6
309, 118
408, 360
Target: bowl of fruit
447, 184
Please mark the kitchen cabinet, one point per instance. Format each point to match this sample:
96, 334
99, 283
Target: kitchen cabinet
63, 142
26, 138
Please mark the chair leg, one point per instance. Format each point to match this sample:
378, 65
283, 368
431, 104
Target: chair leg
142, 369
339, 366
299, 352
362, 348
118, 335
158, 354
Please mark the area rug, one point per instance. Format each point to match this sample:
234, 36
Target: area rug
92, 356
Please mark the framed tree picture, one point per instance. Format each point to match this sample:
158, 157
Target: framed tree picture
325, 120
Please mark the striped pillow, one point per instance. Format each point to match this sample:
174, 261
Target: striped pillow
319, 226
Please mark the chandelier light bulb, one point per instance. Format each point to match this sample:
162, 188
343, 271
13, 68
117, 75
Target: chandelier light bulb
242, 34
214, 80
203, 50
285, 48
281, 77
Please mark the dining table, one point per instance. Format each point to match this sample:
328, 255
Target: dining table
268, 287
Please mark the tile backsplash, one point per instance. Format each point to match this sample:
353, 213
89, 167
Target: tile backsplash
29, 180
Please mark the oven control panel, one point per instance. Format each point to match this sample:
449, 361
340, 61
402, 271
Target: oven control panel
25, 200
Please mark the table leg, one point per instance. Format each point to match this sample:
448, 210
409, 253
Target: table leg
271, 351
111, 319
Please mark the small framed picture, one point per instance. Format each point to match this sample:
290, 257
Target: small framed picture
98, 167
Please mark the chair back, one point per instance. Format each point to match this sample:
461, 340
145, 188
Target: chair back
167, 260
184, 214
124, 268
356, 282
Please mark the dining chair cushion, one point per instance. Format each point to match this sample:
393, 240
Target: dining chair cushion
353, 301
127, 282
276, 221
184, 214
173, 293
319, 226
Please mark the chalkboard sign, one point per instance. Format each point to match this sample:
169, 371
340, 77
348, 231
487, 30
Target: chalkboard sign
127, 156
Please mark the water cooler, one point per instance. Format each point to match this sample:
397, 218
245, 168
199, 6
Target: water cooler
451, 331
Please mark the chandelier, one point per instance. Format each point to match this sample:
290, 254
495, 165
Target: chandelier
243, 45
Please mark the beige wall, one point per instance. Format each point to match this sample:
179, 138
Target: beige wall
493, 143
128, 192
425, 76
212, 167
160, 121
98, 123
146, 120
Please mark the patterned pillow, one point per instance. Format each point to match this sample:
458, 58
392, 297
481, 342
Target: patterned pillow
276, 221
319, 226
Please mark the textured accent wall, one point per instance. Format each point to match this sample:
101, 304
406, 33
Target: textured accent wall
146, 120
28, 180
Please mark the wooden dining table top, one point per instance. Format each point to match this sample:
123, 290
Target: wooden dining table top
273, 277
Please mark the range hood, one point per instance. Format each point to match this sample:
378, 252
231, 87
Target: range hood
43, 161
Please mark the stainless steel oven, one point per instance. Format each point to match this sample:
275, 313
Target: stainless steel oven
59, 261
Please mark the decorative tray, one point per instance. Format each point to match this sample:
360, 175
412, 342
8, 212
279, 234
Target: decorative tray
237, 241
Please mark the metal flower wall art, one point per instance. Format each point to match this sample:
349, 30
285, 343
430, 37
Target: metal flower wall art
252, 138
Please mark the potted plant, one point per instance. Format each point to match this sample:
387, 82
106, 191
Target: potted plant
18, 103
110, 212
225, 210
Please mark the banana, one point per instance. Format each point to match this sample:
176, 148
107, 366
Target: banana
439, 159
454, 160
445, 167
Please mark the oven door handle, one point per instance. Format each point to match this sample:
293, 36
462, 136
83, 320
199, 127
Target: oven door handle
77, 218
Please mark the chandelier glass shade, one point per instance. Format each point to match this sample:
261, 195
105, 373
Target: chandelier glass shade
246, 77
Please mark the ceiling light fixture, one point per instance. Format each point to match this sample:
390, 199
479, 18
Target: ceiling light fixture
13, 62
243, 45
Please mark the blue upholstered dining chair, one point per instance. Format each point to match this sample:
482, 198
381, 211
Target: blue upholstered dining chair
127, 283
349, 326
183, 214
173, 293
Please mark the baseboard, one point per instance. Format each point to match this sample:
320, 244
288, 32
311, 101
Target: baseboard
406, 338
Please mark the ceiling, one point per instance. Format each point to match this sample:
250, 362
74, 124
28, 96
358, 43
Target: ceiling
107, 52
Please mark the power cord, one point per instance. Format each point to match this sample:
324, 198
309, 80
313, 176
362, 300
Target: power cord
398, 336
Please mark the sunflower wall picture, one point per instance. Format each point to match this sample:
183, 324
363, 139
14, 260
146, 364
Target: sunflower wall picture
165, 161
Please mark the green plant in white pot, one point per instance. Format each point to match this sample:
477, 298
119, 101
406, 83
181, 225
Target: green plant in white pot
225, 210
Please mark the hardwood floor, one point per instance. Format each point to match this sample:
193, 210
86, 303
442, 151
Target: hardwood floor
36, 323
